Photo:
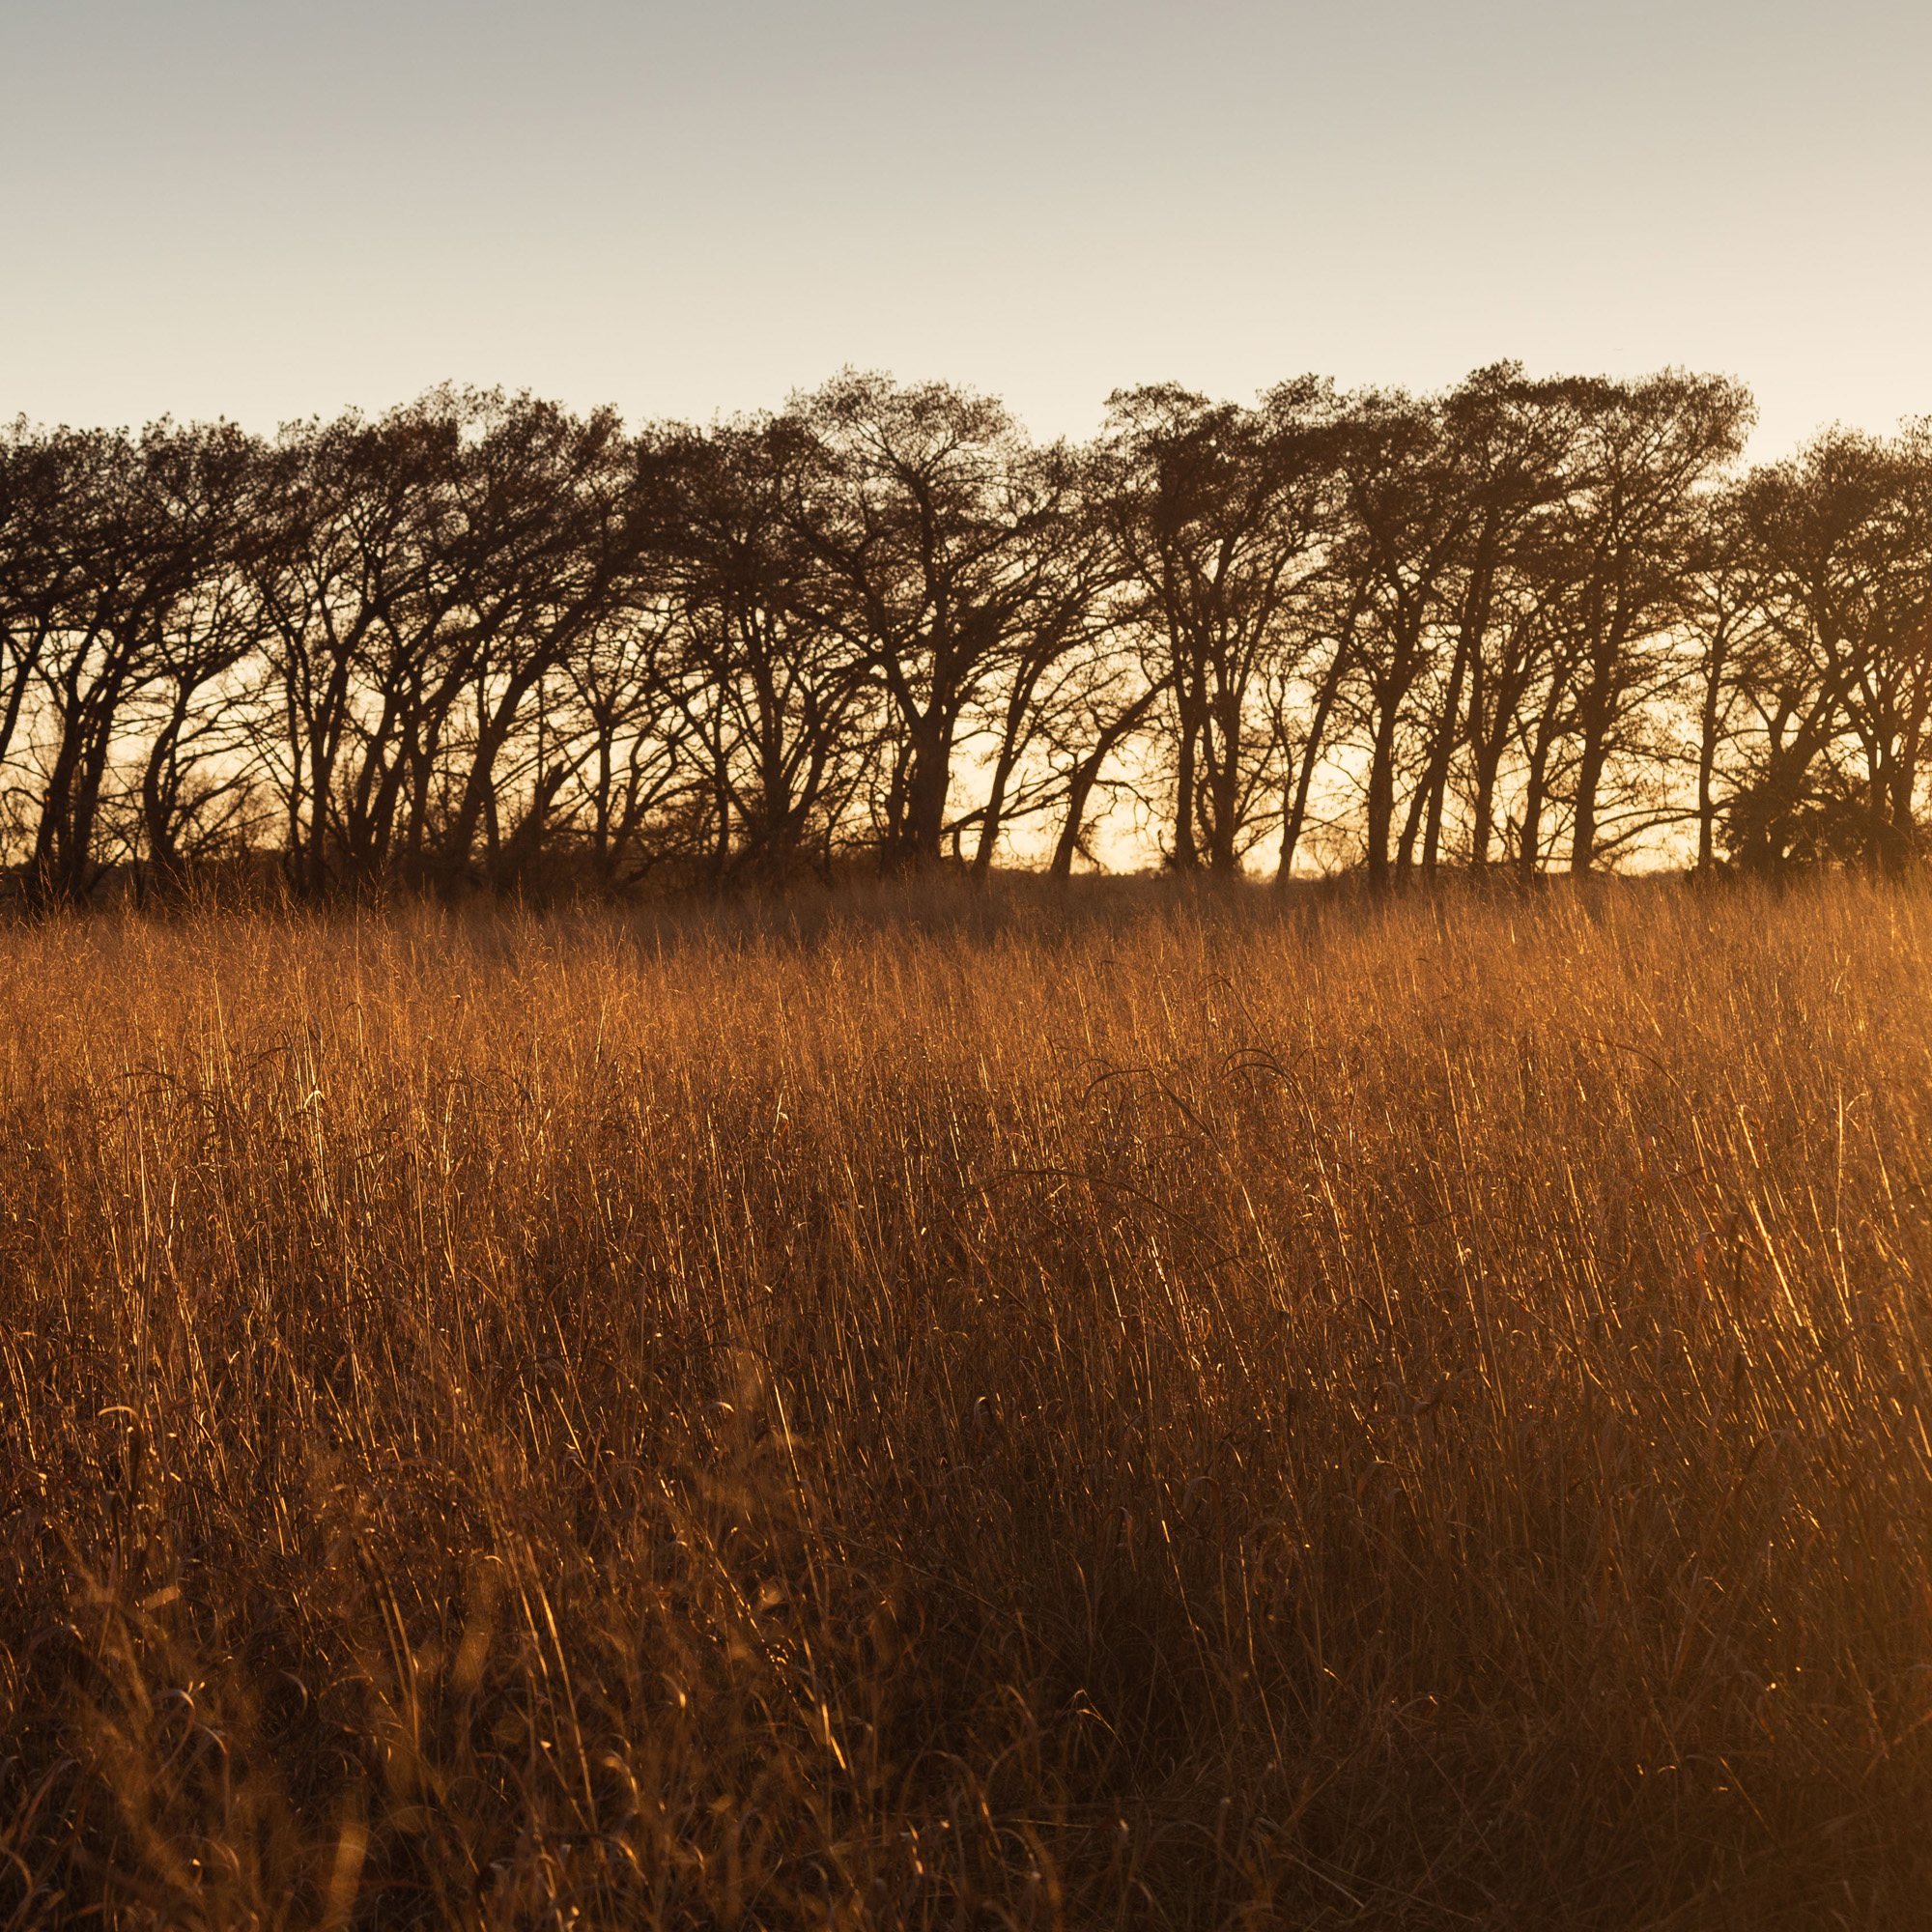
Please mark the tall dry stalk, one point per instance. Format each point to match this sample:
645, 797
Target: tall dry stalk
1158, 1411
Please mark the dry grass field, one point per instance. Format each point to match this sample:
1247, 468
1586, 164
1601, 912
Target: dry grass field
929, 1411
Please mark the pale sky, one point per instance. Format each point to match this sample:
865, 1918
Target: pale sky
263, 210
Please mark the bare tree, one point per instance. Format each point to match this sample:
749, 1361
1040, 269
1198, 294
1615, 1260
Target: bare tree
774, 689
628, 775
142, 523
1837, 678
344, 562
553, 524
1220, 515
1405, 517
482, 639
195, 787
420, 575
1723, 615
1508, 441
44, 487
1062, 622
928, 516
1629, 522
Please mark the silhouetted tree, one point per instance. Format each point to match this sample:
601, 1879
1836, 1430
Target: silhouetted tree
142, 525
190, 717
931, 523
1049, 663
1405, 516
1220, 514
1724, 615
1837, 678
774, 689
347, 562
482, 639
1509, 443
1630, 523
627, 783
552, 526
42, 478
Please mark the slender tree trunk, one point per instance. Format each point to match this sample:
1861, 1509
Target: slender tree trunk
1442, 757
930, 781
159, 793
1382, 797
1488, 763
1707, 764
1080, 788
1905, 764
495, 728
989, 825
1530, 856
56, 869
1087, 775
1003, 767
1412, 826
1187, 852
1597, 714
600, 832
1583, 830
1482, 819
422, 770
1224, 780
1295, 815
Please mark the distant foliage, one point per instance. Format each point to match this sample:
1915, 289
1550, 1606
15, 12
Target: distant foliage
483, 643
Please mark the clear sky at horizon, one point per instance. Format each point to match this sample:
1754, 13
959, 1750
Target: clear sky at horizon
266, 210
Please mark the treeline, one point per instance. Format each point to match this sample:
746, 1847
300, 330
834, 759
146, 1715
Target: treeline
482, 641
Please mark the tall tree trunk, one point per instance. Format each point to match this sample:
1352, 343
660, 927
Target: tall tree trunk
158, 797
1529, 858
1412, 826
1487, 762
1382, 797
1224, 780
1004, 765
1080, 788
1583, 829
989, 825
1708, 714
1087, 775
1187, 852
1442, 755
930, 782
1597, 714
1296, 814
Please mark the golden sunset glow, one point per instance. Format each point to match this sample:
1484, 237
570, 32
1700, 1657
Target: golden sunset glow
965, 967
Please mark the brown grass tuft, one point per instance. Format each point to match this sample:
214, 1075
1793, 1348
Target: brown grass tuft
1159, 1412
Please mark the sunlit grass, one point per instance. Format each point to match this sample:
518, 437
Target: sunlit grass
924, 1406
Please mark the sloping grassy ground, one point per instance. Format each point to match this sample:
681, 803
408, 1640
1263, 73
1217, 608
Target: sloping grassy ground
980, 1412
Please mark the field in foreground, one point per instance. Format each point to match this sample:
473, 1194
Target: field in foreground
1158, 1412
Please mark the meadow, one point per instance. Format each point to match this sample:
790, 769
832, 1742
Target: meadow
924, 1408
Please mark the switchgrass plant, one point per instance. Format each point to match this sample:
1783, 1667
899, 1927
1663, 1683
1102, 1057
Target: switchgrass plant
1145, 1410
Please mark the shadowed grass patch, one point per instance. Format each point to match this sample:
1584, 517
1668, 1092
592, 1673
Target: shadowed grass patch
972, 1413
